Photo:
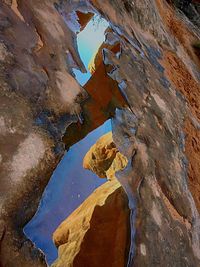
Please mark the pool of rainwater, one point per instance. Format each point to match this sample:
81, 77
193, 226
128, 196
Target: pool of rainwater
70, 184
68, 187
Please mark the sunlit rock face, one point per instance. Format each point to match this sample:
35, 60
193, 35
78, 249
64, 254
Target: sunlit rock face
104, 158
97, 233
68, 187
156, 74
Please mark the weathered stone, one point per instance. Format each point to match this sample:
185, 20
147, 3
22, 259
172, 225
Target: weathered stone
104, 159
157, 71
111, 43
104, 213
82, 239
38, 100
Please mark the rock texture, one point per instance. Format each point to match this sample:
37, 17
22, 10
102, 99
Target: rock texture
39, 99
151, 133
104, 158
82, 239
111, 43
154, 79
103, 98
97, 233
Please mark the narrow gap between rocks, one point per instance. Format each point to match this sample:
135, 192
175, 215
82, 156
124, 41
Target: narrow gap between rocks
68, 187
71, 184
89, 40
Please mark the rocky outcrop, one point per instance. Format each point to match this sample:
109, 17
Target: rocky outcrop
104, 158
84, 18
156, 182
39, 99
154, 79
97, 233
113, 45
103, 98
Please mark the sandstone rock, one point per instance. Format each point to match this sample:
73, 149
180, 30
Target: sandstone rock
82, 239
97, 233
157, 72
84, 18
150, 175
104, 97
113, 45
104, 158
37, 93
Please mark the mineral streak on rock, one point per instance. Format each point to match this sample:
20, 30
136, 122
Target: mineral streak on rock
156, 125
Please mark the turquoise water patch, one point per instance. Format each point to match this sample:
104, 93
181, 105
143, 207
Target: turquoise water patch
88, 42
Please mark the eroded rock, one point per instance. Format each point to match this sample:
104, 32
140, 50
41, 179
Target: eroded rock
104, 158
157, 72
82, 239
39, 99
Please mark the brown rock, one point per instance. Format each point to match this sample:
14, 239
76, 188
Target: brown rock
35, 92
158, 133
104, 97
179, 75
84, 18
97, 58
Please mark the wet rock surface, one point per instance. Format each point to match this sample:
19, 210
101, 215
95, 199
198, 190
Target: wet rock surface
156, 74
39, 99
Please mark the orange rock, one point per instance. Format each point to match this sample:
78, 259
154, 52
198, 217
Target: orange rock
179, 75
86, 237
84, 18
104, 158
97, 58
104, 98
83, 237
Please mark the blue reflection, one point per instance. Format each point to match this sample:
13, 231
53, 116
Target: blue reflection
69, 186
89, 40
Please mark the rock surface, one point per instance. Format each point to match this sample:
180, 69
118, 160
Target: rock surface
82, 239
112, 45
151, 132
39, 99
157, 72
104, 158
